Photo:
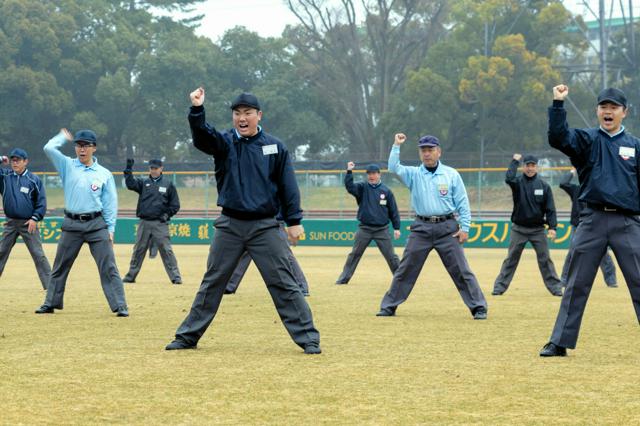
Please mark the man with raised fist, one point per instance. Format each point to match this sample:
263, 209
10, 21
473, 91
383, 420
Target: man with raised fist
255, 181
376, 208
607, 160
443, 218
158, 202
533, 208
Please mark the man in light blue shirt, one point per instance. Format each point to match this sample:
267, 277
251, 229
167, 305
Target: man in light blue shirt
442, 222
91, 206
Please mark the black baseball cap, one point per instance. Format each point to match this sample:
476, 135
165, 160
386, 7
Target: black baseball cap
612, 95
85, 137
373, 168
529, 158
428, 140
155, 163
246, 99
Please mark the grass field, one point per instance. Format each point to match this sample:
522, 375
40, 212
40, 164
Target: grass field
431, 364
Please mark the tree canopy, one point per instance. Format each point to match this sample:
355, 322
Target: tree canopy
339, 84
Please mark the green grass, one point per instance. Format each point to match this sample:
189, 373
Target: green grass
432, 364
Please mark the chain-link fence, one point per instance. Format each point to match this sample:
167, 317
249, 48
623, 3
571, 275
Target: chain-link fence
323, 193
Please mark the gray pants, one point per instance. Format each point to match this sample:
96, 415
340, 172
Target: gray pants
519, 237
15, 227
606, 266
268, 248
74, 233
363, 237
424, 237
245, 260
596, 231
157, 232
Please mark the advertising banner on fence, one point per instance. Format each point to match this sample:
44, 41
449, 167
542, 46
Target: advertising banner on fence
318, 232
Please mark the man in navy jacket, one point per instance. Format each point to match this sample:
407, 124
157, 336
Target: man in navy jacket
376, 207
24, 203
255, 180
607, 160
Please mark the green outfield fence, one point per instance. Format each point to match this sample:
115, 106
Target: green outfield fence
318, 232
329, 210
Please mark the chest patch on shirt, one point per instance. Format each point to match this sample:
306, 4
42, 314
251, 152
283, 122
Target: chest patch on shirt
24, 189
95, 185
269, 149
443, 188
162, 189
538, 192
627, 152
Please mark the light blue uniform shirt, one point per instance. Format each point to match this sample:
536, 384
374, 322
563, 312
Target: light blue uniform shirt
86, 189
434, 194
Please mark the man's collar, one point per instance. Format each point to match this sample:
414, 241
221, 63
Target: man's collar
238, 136
77, 163
437, 171
611, 135
21, 174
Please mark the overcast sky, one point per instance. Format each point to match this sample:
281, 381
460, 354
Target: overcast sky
269, 17
266, 17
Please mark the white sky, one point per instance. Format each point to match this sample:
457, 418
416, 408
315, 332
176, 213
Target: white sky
269, 17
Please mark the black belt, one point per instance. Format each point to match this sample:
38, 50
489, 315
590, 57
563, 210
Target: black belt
435, 219
611, 209
82, 216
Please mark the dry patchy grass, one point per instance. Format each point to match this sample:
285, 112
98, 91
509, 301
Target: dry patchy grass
432, 364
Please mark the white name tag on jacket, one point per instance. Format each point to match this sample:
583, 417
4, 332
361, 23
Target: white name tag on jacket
627, 151
538, 192
24, 189
269, 149
383, 202
162, 188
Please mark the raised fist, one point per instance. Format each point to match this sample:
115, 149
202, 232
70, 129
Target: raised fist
197, 97
517, 157
351, 165
399, 138
560, 92
67, 134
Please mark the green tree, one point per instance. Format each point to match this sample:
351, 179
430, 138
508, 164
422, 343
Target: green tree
360, 66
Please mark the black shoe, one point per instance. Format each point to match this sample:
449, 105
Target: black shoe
312, 349
557, 291
44, 309
177, 281
342, 282
497, 292
480, 313
128, 280
386, 313
614, 285
122, 312
178, 345
229, 291
551, 349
